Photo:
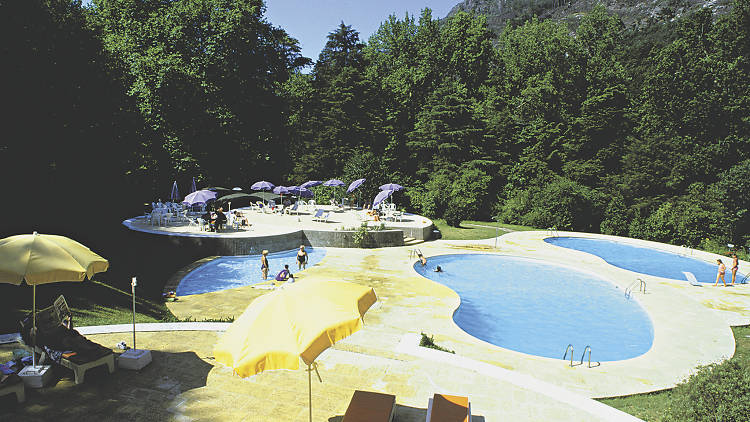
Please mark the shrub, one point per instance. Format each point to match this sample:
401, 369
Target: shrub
714, 393
429, 342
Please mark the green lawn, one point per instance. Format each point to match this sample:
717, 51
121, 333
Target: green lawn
91, 302
651, 407
470, 231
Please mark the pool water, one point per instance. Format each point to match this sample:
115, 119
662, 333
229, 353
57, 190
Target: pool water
538, 308
646, 260
228, 272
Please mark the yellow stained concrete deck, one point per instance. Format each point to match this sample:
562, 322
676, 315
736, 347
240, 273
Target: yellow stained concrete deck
691, 327
691, 324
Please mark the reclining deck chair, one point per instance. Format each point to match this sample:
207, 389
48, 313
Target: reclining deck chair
56, 339
445, 408
367, 406
691, 279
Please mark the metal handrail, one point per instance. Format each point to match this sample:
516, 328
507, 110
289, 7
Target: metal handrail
584, 354
570, 347
641, 287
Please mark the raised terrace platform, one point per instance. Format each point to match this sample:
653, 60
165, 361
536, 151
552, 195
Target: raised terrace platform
278, 232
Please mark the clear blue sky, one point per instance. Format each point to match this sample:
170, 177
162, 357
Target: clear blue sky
310, 21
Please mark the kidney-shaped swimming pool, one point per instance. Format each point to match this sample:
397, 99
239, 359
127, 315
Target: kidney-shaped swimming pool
538, 308
645, 260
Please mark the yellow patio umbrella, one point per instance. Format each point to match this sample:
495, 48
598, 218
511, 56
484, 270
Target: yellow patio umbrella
45, 258
301, 320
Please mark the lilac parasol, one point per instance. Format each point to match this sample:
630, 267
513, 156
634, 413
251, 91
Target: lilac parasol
333, 182
355, 184
301, 192
262, 185
175, 194
281, 190
311, 183
199, 196
391, 186
380, 197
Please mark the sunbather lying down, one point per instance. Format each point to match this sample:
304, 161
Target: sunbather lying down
59, 339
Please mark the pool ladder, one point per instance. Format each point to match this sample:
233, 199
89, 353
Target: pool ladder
641, 287
585, 349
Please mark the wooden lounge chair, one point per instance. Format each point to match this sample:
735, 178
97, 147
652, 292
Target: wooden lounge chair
59, 315
367, 406
445, 408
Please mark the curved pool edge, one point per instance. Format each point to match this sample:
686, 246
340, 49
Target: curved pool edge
679, 345
537, 261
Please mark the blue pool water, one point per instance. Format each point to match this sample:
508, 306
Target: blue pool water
646, 260
534, 307
228, 272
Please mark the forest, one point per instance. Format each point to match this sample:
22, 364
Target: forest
641, 132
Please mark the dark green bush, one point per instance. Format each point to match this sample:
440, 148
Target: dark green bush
717, 392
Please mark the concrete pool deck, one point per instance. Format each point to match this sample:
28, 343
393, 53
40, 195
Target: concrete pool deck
691, 327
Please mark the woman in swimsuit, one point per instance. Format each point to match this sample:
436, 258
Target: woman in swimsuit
720, 275
301, 258
264, 264
735, 267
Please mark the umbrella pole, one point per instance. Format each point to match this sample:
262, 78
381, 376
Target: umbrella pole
33, 327
309, 389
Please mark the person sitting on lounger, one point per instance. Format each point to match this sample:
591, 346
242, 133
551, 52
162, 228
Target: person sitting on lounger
219, 220
241, 218
285, 275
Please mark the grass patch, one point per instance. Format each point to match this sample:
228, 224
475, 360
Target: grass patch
471, 232
90, 302
429, 342
653, 407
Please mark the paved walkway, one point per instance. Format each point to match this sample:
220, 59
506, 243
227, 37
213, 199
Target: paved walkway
184, 383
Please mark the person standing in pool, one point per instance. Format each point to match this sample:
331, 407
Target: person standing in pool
735, 267
720, 274
264, 263
301, 258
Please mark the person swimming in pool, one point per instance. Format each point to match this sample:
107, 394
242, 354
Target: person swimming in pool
301, 258
438, 269
264, 263
735, 267
720, 274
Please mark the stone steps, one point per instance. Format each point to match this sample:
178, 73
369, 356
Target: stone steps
410, 241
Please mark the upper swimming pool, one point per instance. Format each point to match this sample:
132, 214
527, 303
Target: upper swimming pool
645, 260
228, 272
530, 306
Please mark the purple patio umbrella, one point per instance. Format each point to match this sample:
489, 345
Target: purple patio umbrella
354, 185
175, 194
380, 197
262, 185
333, 183
311, 183
281, 190
391, 186
192, 186
199, 196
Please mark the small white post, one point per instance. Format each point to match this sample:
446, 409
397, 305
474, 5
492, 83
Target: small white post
133, 283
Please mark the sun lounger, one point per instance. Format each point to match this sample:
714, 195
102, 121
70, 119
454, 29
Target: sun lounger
445, 408
691, 278
57, 340
367, 406
318, 213
12, 384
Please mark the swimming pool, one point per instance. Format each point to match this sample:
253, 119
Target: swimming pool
228, 272
645, 260
533, 307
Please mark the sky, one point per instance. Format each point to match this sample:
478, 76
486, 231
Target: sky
310, 21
